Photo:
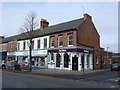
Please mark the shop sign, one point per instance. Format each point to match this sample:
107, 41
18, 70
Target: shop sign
62, 50
86, 51
22, 53
41, 52
11, 53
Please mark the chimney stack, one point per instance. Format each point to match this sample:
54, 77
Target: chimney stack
87, 16
43, 23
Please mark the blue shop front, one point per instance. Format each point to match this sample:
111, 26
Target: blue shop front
3, 56
39, 58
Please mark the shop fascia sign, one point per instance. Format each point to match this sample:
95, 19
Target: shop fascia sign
62, 50
41, 52
86, 51
21, 53
11, 53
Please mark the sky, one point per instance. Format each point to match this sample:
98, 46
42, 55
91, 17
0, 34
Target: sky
104, 16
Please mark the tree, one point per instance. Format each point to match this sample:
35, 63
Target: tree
28, 30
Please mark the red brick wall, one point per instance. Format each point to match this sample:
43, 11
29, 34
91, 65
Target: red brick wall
65, 38
13, 48
87, 35
4, 47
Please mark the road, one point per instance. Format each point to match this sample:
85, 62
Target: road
23, 80
109, 78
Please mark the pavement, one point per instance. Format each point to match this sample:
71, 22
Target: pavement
39, 71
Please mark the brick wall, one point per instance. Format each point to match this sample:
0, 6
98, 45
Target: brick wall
65, 38
88, 35
12, 46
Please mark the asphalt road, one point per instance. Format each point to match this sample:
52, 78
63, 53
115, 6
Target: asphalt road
22, 80
108, 77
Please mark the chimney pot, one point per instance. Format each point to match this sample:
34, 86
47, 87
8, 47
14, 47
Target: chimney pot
43, 23
87, 16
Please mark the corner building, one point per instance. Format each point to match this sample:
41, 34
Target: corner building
74, 45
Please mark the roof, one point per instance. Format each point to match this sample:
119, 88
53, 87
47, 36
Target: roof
65, 26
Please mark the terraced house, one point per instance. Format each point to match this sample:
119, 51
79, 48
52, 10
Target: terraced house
70, 45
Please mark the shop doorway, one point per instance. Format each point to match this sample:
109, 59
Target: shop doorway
75, 63
66, 60
58, 60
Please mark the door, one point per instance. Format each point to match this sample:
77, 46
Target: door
75, 63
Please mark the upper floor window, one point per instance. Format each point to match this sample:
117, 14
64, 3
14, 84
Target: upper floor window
70, 39
10, 46
18, 46
38, 43
33, 44
52, 42
97, 59
60, 40
24, 45
45, 42
109, 61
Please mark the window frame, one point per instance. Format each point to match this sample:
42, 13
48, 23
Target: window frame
59, 41
45, 45
38, 44
52, 41
97, 60
69, 39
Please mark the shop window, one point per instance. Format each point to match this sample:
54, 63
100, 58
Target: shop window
52, 57
52, 42
88, 62
97, 59
45, 42
58, 60
60, 40
66, 60
38, 44
42, 61
70, 39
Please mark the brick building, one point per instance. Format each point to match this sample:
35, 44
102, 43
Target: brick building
71, 45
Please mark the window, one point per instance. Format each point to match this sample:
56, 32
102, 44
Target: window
38, 44
60, 40
97, 59
109, 60
52, 56
18, 46
24, 45
70, 39
52, 42
33, 44
10, 46
45, 42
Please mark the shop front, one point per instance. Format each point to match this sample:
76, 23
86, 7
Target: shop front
3, 56
22, 57
40, 59
11, 56
71, 59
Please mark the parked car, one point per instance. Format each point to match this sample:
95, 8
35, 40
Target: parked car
115, 66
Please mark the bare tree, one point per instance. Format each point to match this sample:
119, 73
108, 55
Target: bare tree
28, 30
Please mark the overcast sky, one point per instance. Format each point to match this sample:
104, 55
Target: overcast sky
104, 16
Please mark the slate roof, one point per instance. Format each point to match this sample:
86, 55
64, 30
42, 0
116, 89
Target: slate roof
65, 26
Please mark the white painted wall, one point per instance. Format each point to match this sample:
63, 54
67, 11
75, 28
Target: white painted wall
35, 43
